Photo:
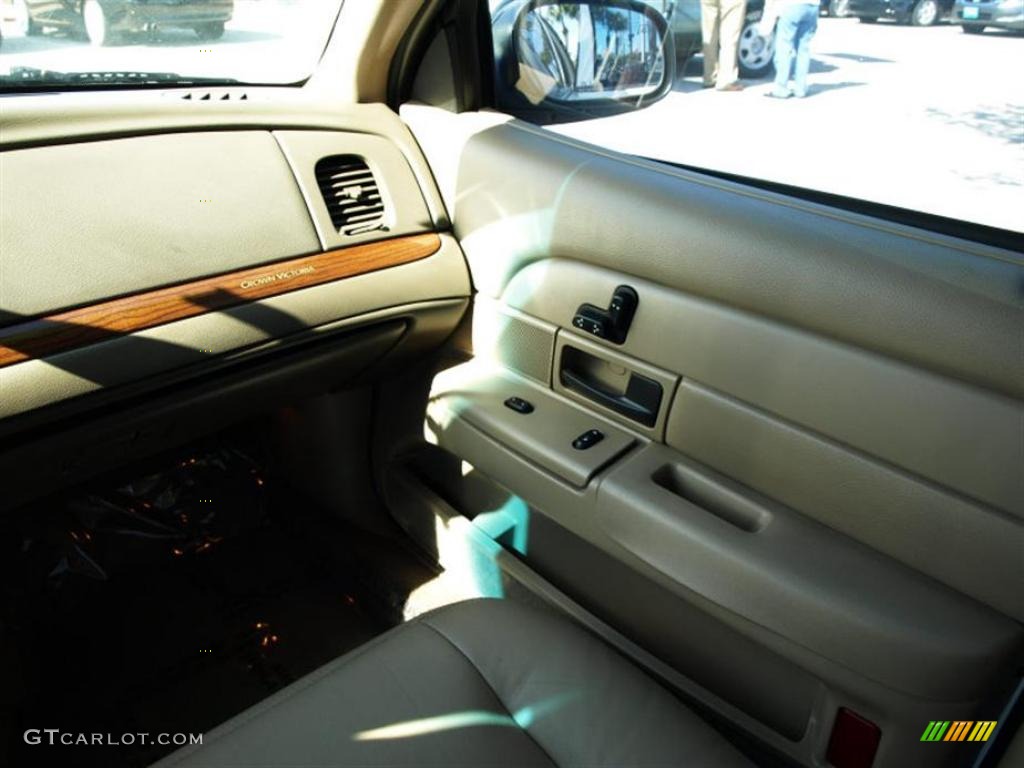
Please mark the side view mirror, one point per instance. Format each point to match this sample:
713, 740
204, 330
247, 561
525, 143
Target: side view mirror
558, 61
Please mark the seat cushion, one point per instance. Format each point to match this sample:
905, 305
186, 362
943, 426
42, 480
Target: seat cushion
479, 683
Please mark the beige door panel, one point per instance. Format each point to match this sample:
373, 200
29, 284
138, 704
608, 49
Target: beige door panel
834, 472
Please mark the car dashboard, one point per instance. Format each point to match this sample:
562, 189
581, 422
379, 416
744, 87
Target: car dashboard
177, 245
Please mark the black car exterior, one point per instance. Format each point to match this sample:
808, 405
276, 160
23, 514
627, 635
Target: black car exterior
101, 20
920, 13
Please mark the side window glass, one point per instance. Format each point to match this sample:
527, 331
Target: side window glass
869, 100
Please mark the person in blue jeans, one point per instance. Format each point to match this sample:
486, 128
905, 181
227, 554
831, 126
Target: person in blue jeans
795, 23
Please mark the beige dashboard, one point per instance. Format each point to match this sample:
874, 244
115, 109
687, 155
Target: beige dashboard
147, 245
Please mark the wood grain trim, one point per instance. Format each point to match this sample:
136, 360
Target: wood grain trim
87, 325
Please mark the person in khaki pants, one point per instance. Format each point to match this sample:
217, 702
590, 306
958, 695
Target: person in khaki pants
721, 22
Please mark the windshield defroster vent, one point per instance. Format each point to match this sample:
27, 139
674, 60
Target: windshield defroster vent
351, 193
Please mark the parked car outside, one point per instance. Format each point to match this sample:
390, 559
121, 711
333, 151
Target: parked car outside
102, 20
918, 13
975, 15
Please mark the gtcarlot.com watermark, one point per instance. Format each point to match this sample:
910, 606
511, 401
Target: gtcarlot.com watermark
55, 736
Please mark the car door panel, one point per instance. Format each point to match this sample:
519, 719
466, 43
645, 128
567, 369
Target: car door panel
705, 534
876, 285
934, 427
836, 479
901, 431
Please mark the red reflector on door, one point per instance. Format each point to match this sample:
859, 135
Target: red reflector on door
854, 741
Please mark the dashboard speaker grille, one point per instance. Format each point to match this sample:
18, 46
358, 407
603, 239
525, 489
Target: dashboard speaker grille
351, 193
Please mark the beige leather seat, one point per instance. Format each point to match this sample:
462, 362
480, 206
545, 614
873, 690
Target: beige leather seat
480, 683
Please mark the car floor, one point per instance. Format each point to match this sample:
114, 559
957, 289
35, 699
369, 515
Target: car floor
121, 619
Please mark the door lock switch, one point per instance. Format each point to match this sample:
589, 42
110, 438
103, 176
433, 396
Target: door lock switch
588, 439
519, 405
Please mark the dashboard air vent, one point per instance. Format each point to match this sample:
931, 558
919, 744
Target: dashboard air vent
351, 193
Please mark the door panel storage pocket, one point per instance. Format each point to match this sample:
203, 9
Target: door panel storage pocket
702, 533
710, 497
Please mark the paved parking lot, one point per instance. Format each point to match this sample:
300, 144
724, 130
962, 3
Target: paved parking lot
930, 119
924, 118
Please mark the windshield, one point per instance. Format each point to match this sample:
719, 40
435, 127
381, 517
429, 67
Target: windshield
69, 43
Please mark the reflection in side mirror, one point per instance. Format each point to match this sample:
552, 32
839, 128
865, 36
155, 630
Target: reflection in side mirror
576, 60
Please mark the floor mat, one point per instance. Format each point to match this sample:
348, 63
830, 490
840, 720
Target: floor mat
144, 624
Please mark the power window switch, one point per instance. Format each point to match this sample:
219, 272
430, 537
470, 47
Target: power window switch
519, 405
588, 439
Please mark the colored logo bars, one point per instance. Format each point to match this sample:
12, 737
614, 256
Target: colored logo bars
958, 730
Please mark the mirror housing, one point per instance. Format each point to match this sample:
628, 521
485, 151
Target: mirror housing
564, 60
